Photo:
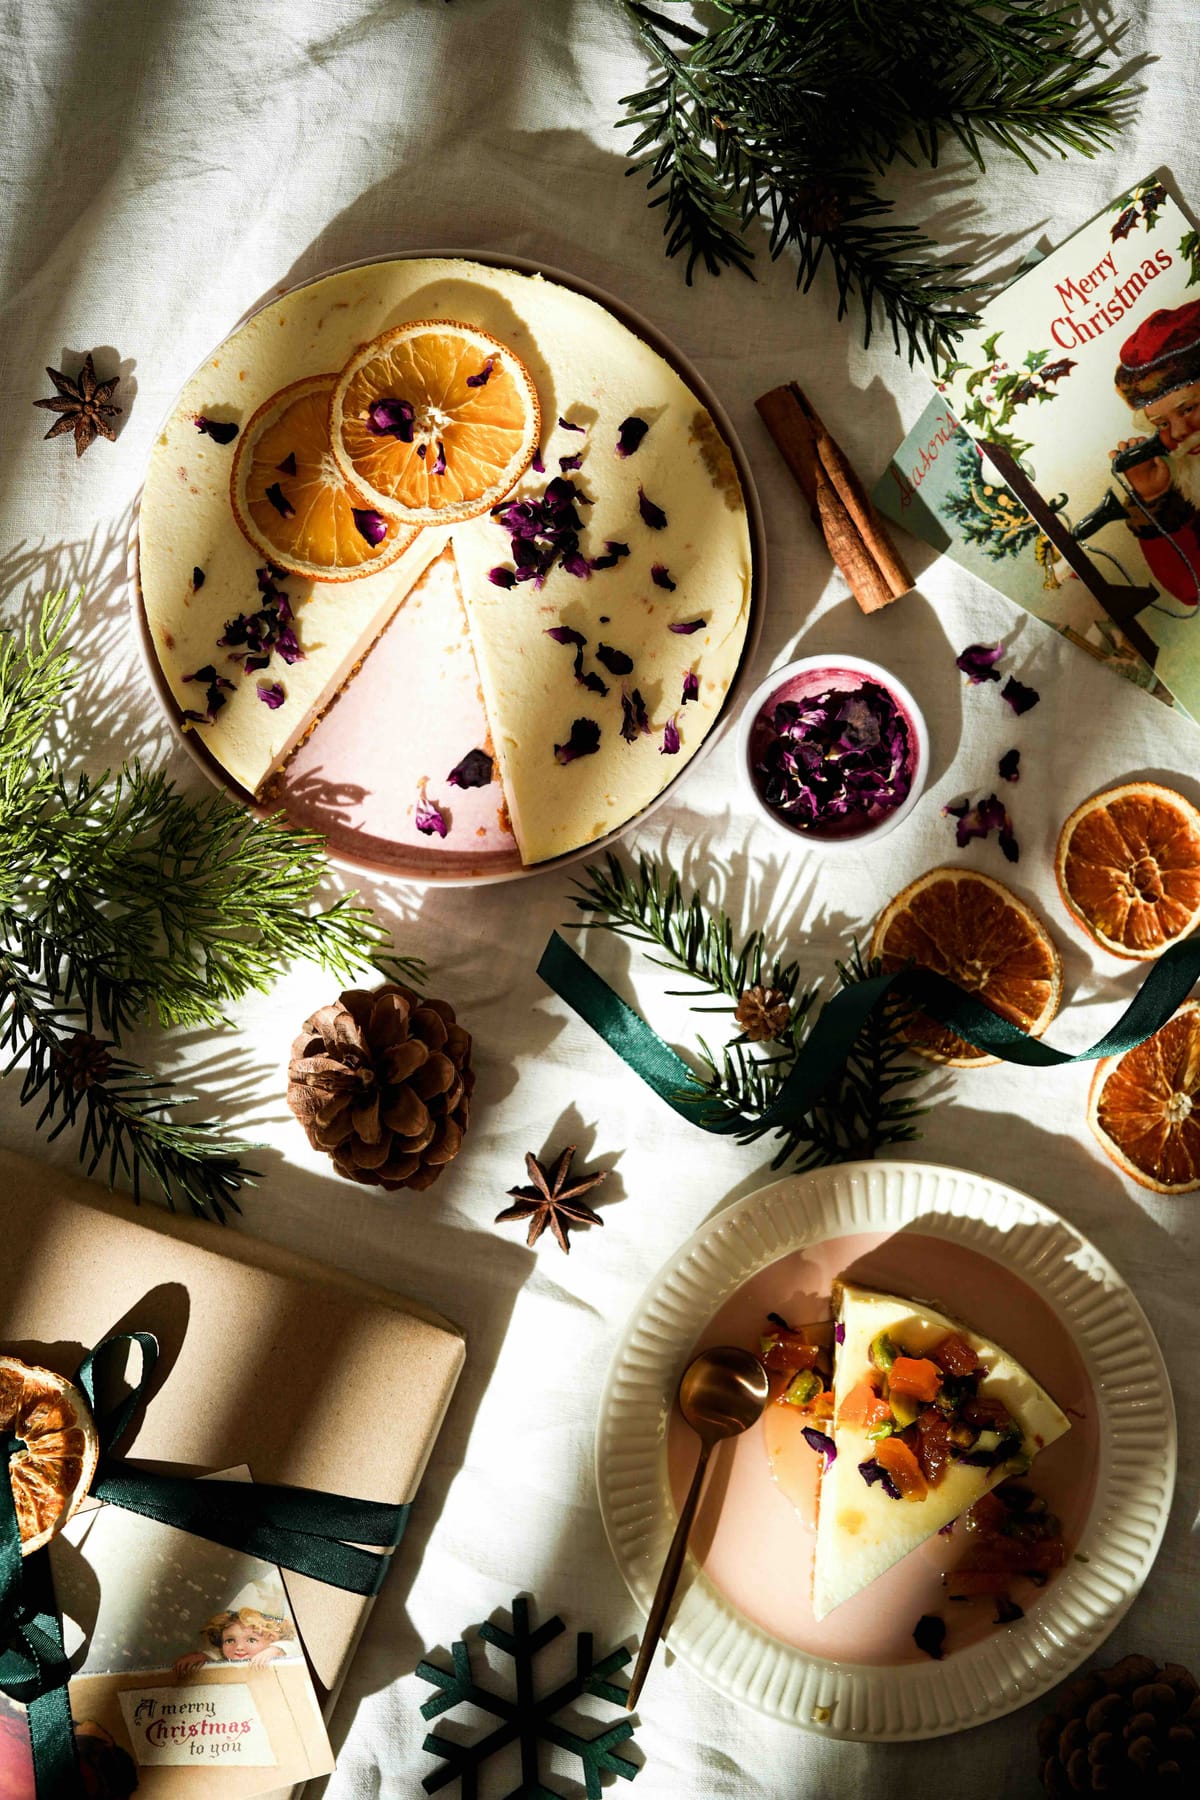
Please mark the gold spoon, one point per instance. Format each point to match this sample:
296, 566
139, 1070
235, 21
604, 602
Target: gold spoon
722, 1393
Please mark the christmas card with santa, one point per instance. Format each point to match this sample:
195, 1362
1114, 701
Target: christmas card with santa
1081, 391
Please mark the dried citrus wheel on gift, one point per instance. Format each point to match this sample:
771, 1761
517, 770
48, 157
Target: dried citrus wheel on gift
52, 1467
1145, 1106
294, 503
977, 932
1128, 866
434, 421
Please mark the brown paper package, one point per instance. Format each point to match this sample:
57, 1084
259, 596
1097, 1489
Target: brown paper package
311, 1378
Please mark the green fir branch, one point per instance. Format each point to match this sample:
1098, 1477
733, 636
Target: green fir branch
866, 1105
786, 112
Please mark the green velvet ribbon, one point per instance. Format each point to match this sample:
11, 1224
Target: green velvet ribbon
313, 1533
829, 1043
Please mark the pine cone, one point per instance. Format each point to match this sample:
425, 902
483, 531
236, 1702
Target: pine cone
1133, 1730
382, 1082
763, 1013
81, 1061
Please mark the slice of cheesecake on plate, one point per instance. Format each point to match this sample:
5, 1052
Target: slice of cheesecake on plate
928, 1417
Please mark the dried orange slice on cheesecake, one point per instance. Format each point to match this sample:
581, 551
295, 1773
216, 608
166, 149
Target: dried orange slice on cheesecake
434, 421
294, 503
57, 1448
1128, 867
978, 933
1144, 1106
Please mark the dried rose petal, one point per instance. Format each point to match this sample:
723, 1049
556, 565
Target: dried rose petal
536, 463
280, 501
576, 563
271, 693
630, 433
660, 575
1019, 697
565, 634
428, 818
256, 636
370, 524
980, 820
568, 425
503, 578
439, 467
422, 451
635, 719
216, 687
566, 463
670, 743
583, 741
389, 417
484, 375
1009, 766
288, 465
476, 768
615, 661
613, 552
976, 662
197, 578
221, 431
652, 515
686, 629
691, 687
832, 760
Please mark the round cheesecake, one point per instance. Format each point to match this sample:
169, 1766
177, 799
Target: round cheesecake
592, 685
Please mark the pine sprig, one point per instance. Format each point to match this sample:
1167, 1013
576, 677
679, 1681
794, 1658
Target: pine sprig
124, 901
786, 112
864, 1108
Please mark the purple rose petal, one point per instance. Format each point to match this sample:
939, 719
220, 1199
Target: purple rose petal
389, 417
422, 451
613, 552
571, 462
536, 463
439, 467
691, 687
568, 425
475, 769
839, 1333
216, 687
566, 634
484, 375
583, 741
288, 465
197, 578
615, 661
428, 818
660, 575
255, 637
980, 820
370, 524
821, 1443
834, 758
872, 1472
630, 433
271, 693
221, 431
1019, 697
652, 515
686, 630
1009, 766
635, 719
976, 662
280, 501
502, 578
670, 743
929, 1635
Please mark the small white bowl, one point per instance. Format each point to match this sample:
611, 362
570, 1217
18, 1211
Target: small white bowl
845, 673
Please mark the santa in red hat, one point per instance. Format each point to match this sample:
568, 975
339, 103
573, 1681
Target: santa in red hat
1159, 378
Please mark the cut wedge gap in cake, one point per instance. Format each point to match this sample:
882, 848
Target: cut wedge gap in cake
928, 1417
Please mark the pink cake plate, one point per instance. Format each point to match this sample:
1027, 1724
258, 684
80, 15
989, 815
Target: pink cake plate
1006, 1265
341, 780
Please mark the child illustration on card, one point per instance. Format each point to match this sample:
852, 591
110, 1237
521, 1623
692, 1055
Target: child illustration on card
255, 1631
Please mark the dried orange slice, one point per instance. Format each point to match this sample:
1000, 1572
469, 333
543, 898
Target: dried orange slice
434, 421
1144, 1106
294, 503
1128, 867
976, 931
52, 1468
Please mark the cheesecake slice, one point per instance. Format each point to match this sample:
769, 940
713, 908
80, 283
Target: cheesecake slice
928, 1417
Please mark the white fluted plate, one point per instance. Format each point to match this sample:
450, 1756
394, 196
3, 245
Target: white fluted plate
1135, 1472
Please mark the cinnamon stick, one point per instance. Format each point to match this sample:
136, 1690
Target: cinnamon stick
856, 536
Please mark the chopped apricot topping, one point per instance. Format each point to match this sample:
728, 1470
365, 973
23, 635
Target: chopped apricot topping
933, 1444
894, 1455
955, 1355
787, 1351
915, 1376
863, 1406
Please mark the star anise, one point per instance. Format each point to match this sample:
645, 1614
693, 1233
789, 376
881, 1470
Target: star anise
84, 405
551, 1201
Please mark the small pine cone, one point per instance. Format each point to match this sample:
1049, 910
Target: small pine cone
82, 1061
382, 1083
1130, 1730
818, 206
763, 1014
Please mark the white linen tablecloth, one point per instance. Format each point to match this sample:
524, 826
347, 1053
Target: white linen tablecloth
167, 164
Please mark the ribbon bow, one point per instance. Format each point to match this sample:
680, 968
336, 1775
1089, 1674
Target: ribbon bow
832, 1038
313, 1533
